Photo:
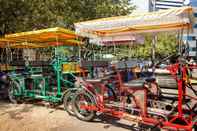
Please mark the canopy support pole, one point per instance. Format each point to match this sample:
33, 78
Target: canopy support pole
130, 49
79, 54
154, 41
58, 69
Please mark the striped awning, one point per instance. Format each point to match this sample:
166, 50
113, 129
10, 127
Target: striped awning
122, 39
164, 20
41, 38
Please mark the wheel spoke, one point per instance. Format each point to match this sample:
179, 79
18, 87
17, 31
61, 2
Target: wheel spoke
83, 99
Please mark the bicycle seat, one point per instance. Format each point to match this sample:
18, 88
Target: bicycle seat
139, 83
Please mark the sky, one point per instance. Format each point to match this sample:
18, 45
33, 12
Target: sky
193, 2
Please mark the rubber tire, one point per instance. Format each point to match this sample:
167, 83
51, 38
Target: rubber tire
13, 99
80, 116
67, 101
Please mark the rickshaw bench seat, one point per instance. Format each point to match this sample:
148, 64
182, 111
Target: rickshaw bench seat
36, 75
93, 80
135, 83
150, 79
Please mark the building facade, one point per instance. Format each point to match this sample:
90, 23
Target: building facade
142, 5
166, 4
151, 5
192, 38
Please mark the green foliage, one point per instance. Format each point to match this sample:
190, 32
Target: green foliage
166, 44
12, 13
24, 15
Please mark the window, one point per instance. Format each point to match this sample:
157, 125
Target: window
190, 38
191, 49
195, 26
195, 14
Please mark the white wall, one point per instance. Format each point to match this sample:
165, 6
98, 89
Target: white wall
141, 5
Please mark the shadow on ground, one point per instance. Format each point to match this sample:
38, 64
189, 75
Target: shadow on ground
27, 106
111, 121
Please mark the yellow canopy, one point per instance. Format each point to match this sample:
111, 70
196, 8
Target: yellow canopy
40, 38
165, 20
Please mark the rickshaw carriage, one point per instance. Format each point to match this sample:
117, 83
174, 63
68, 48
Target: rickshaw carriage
136, 101
45, 80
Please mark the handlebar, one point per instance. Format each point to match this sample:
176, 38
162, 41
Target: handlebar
175, 56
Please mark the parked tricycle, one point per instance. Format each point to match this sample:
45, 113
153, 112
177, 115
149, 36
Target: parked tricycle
139, 100
44, 80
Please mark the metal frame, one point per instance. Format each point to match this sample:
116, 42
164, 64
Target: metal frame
171, 121
39, 85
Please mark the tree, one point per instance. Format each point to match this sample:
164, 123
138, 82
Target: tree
166, 44
12, 14
24, 15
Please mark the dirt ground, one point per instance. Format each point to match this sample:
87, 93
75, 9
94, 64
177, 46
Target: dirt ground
39, 117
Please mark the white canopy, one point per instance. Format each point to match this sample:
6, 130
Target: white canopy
165, 20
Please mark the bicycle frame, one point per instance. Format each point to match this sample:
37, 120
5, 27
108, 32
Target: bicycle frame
144, 111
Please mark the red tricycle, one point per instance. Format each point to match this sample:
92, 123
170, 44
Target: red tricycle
138, 100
